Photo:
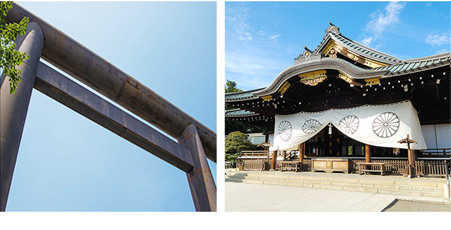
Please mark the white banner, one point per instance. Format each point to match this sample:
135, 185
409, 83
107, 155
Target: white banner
376, 125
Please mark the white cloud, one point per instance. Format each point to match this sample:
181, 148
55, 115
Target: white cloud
442, 51
275, 36
381, 20
253, 67
367, 41
438, 40
240, 24
251, 57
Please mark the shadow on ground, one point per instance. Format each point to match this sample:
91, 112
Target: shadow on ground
416, 206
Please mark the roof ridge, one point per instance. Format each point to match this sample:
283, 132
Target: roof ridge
245, 91
368, 48
333, 32
417, 64
434, 56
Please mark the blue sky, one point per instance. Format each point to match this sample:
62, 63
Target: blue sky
67, 162
263, 38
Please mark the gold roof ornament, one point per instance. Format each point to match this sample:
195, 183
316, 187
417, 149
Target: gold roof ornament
307, 51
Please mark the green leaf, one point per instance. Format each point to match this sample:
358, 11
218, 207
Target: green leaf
10, 58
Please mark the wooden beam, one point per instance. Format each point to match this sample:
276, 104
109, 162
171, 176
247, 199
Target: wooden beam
107, 115
91, 69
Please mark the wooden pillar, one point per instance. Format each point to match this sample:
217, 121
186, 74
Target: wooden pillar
301, 152
367, 153
410, 169
200, 180
267, 145
411, 159
411, 156
274, 160
14, 107
267, 155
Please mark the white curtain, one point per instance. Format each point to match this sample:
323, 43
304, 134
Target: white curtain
376, 125
437, 135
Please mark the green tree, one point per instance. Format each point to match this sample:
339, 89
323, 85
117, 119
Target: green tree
236, 142
231, 126
9, 56
230, 87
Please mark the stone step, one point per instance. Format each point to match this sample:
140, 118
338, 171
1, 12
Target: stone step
363, 183
422, 189
338, 180
403, 192
368, 187
347, 188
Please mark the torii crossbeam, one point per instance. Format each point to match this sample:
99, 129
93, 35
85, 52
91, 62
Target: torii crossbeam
195, 142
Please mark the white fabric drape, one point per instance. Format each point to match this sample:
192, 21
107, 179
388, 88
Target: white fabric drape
376, 125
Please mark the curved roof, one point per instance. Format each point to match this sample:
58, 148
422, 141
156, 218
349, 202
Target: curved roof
416, 65
311, 61
243, 95
321, 64
239, 113
333, 33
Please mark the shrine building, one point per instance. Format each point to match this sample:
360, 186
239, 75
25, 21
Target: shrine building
344, 107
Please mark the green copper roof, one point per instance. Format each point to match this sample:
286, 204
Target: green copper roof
417, 65
239, 113
365, 51
243, 95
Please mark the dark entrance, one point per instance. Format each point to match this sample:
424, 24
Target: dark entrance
337, 144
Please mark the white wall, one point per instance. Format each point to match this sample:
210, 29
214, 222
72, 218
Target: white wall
437, 136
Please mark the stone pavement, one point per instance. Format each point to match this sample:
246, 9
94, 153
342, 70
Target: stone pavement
241, 197
417, 206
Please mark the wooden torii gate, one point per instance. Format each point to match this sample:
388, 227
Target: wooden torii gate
195, 142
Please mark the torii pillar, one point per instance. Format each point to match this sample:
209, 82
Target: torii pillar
14, 107
411, 156
200, 179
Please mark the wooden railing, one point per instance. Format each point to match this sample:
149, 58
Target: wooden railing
392, 167
254, 164
307, 165
430, 167
253, 160
253, 154
257, 160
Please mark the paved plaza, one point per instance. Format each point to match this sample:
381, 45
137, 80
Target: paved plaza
245, 197
417, 206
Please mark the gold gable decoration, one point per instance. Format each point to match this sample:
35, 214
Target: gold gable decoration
313, 78
284, 87
267, 98
332, 48
345, 77
373, 81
